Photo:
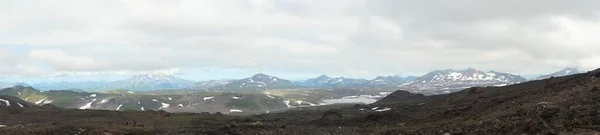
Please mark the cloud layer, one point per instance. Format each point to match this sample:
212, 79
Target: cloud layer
339, 37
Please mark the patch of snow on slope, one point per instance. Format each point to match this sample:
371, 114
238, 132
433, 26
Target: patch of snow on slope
384, 109
142, 109
48, 101
180, 105
236, 98
235, 110
154, 100
385, 93
119, 107
20, 104
287, 103
103, 101
130, 92
500, 85
269, 96
164, 105
169, 98
208, 98
5, 101
93, 95
88, 105
19, 93
39, 102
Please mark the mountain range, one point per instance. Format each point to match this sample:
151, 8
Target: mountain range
445, 80
138, 82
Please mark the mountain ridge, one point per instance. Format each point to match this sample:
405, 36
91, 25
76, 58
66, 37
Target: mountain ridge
449, 79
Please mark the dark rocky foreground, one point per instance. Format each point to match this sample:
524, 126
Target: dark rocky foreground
563, 105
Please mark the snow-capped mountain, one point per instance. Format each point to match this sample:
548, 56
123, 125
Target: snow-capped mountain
456, 80
325, 81
258, 81
564, 72
151, 82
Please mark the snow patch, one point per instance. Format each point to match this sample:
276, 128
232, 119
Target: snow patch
384, 109
169, 98
142, 109
180, 105
130, 92
39, 102
93, 95
119, 107
374, 108
19, 93
154, 100
208, 98
236, 98
270, 96
103, 101
20, 104
164, 105
287, 103
500, 85
5, 101
88, 105
235, 110
48, 101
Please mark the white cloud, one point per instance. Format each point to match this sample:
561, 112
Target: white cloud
343, 37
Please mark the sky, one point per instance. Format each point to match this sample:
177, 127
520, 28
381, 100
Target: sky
77, 40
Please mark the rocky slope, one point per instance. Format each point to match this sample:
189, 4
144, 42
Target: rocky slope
451, 80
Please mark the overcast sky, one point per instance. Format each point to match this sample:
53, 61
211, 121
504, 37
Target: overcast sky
214, 39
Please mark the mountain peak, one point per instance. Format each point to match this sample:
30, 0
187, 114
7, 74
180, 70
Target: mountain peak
470, 70
261, 75
323, 77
